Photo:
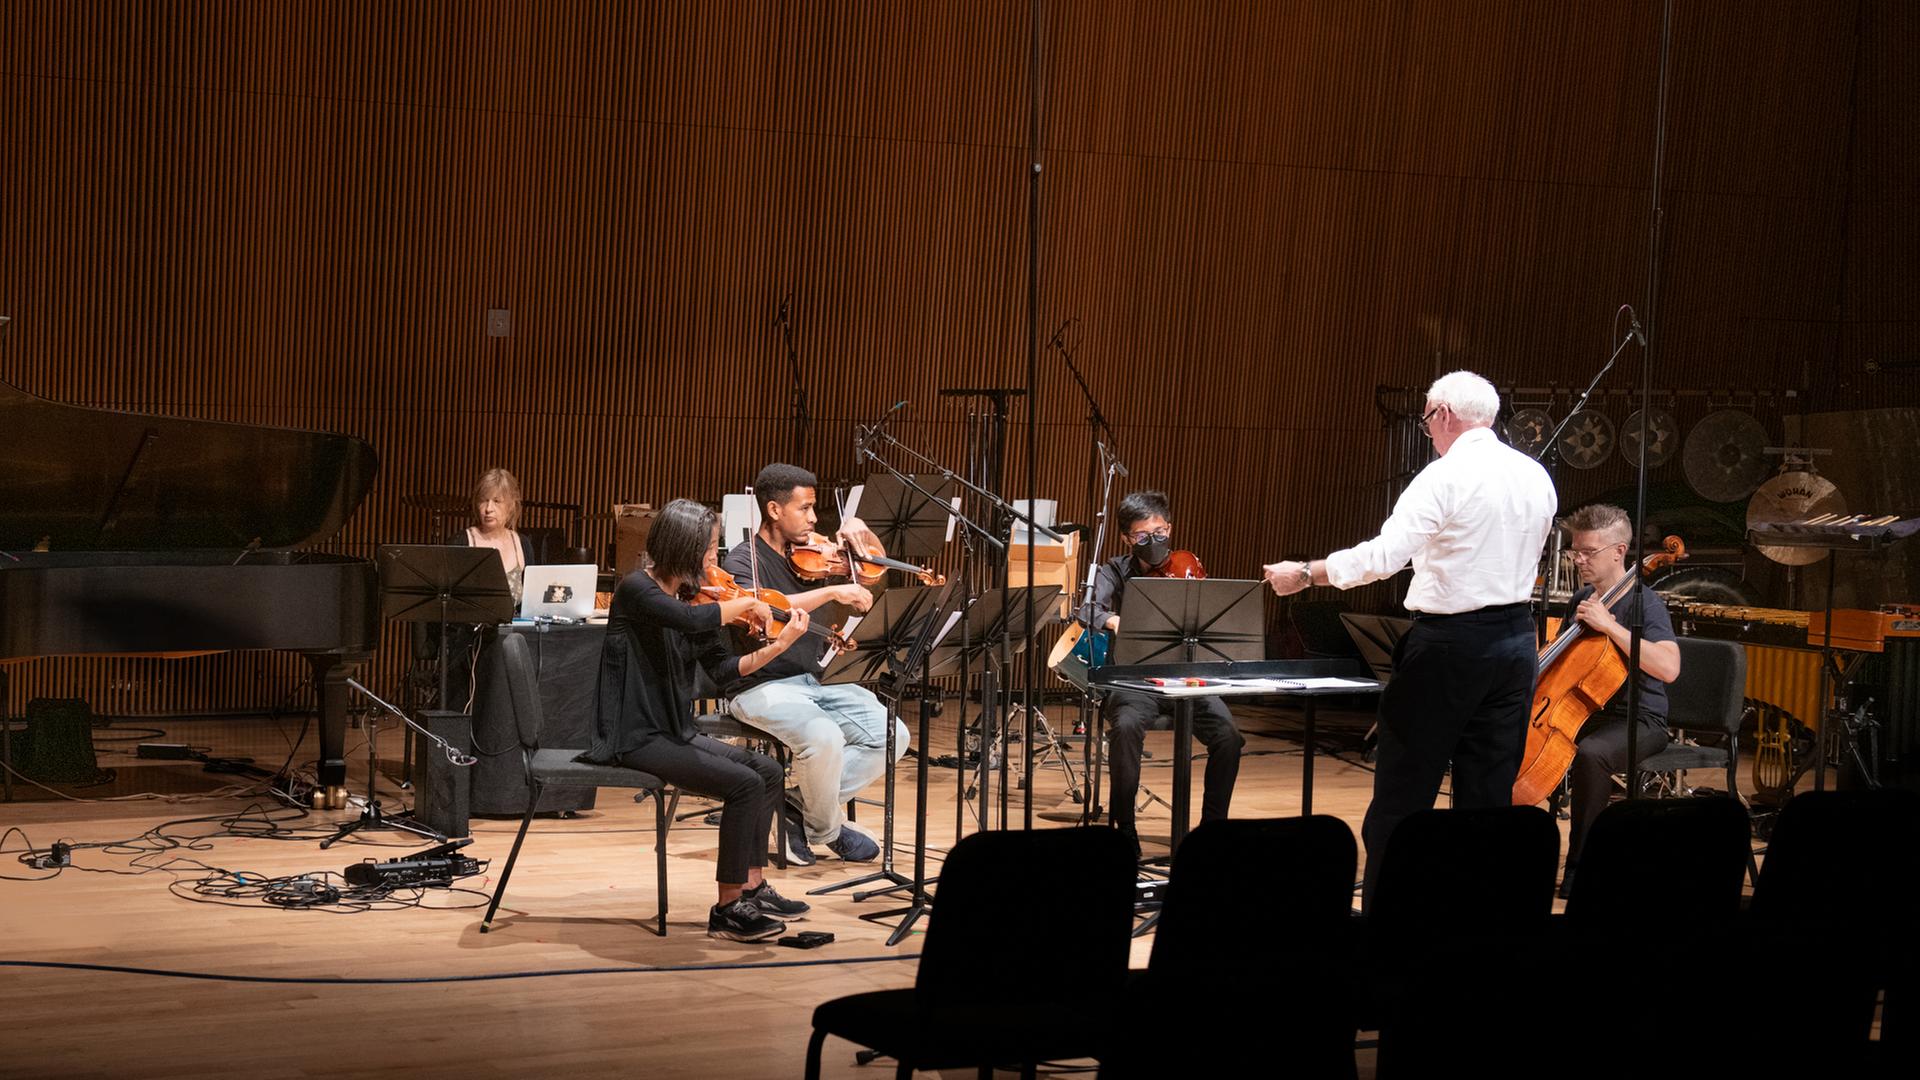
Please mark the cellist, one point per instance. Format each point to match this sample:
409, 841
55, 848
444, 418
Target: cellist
1599, 537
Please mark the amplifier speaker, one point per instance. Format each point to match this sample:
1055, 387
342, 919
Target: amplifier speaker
443, 795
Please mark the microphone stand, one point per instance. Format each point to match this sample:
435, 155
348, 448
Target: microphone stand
801, 419
865, 447
1083, 614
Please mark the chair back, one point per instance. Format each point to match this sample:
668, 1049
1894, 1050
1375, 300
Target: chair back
1650, 862
523, 690
1030, 919
1297, 872
1710, 694
1450, 873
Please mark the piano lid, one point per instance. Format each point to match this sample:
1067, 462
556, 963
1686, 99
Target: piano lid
105, 480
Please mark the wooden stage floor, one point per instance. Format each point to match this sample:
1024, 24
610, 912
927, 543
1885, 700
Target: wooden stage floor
682, 1006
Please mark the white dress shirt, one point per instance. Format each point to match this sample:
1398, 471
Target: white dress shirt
1472, 523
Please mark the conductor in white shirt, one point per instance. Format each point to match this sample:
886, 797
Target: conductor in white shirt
1472, 524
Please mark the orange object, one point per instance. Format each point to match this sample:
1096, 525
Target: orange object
865, 561
720, 585
1579, 673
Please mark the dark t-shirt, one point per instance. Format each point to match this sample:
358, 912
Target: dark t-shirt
803, 657
647, 688
1659, 627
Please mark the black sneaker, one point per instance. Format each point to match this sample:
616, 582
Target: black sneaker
798, 852
742, 920
772, 903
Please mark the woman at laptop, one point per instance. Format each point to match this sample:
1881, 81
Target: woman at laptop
644, 714
496, 515
496, 521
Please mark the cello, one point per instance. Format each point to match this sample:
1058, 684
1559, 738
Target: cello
1580, 671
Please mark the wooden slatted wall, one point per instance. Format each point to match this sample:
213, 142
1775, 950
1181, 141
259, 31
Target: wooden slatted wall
298, 213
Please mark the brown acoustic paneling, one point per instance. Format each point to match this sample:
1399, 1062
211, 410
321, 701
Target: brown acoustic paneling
298, 214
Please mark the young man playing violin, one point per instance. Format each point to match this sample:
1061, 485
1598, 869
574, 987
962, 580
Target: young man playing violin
1146, 521
1599, 538
837, 733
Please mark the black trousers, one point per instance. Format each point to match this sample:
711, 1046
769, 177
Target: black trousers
1460, 692
1129, 716
747, 785
1600, 751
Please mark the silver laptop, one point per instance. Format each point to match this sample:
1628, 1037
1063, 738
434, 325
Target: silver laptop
558, 592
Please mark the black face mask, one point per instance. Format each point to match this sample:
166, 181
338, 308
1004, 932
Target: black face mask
1153, 550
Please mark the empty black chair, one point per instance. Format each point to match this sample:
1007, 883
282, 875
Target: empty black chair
1663, 861
1708, 701
1658, 890
997, 983
556, 768
1836, 895
1249, 956
1457, 940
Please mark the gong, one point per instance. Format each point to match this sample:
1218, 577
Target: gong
1663, 437
1790, 497
1527, 430
1725, 456
1588, 439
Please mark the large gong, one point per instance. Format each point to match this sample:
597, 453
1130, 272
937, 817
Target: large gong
1790, 497
1725, 456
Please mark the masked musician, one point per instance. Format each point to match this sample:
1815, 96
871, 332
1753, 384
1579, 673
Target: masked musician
838, 733
1146, 521
1598, 541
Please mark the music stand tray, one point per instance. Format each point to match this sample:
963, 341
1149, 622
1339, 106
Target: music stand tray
1183, 620
884, 635
909, 524
443, 583
1376, 636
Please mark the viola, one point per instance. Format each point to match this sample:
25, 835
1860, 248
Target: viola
718, 585
865, 561
1179, 564
1579, 673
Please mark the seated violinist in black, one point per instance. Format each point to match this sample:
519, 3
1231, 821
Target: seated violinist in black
1146, 521
644, 712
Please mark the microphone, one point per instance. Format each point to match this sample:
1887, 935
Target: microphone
885, 416
1057, 334
1635, 320
1120, 469
784, 301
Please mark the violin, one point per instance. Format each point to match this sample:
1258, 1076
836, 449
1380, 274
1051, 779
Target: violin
866, 562
1179, 564
718, 585
1579, 673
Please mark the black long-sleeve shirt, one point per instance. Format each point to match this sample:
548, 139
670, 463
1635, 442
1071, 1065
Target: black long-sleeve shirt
648, 665
1109, 586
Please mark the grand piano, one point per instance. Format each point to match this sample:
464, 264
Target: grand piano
122, 533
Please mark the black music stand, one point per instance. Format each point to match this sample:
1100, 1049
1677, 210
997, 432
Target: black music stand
436, 584
911, 524
1185, 621
998, 617
894, 640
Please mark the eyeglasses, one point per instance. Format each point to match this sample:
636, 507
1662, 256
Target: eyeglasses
1143, 536
1424, 430
1587, 554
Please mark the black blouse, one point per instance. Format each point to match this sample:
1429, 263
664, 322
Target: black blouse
647, 677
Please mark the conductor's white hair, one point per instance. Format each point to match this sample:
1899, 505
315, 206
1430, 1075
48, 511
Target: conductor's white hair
1470, 397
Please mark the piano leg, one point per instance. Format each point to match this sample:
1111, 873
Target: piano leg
330, 671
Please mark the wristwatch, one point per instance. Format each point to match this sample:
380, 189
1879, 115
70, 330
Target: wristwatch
1306, 575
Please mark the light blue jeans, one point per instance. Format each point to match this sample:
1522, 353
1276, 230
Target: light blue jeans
838, 735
